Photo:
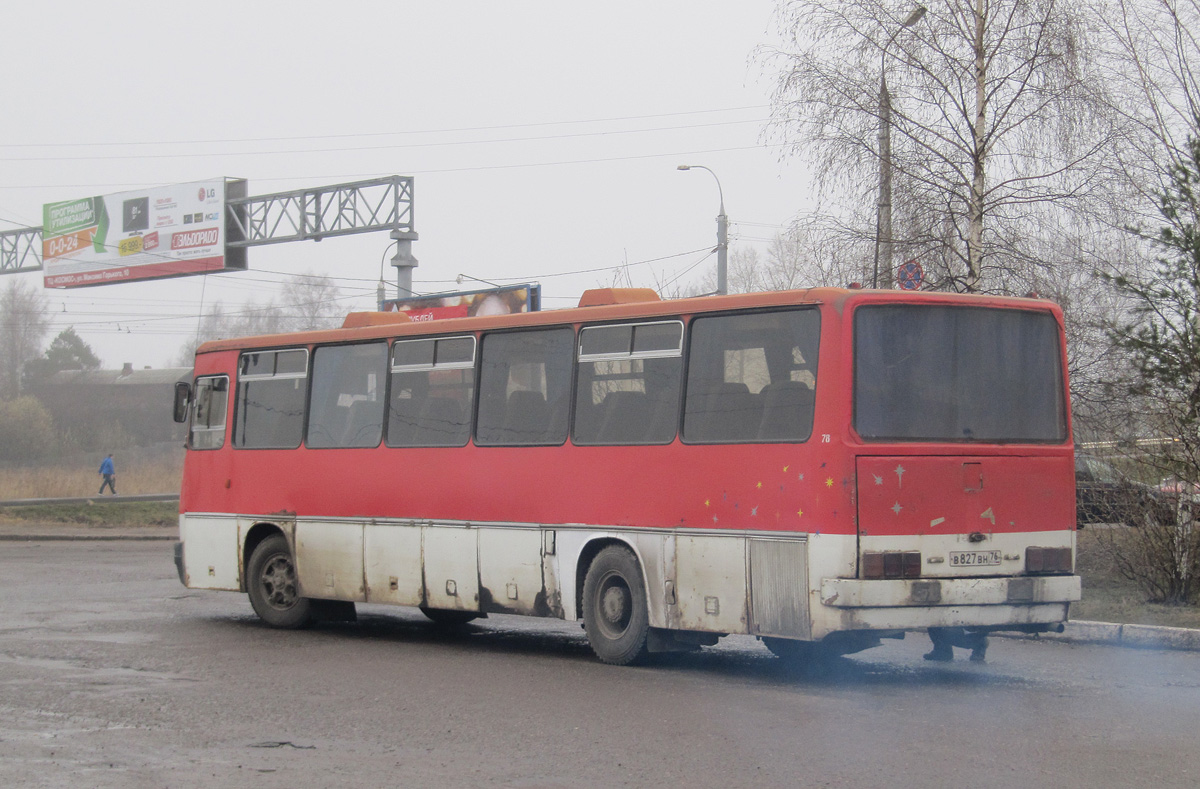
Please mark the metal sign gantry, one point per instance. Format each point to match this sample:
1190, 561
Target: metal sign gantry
302, 215
21, 250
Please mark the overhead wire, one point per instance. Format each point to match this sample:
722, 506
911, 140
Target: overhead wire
427, 171
440, 144
252, 308
458, 130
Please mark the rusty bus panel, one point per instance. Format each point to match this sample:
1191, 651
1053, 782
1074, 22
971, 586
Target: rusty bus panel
779, 588
211, 558
392, 564
451, 568
710, 583
329, 560
510, 570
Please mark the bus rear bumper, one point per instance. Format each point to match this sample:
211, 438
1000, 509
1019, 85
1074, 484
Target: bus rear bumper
941, 602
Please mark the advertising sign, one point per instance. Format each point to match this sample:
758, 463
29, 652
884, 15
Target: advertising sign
166, 231
494, 301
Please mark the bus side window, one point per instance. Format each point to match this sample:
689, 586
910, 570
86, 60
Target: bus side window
752, 377
433, 392
270, 399
346, 408
524, 387
628, 383
210, 405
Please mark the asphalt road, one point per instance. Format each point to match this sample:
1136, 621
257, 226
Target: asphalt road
114, 675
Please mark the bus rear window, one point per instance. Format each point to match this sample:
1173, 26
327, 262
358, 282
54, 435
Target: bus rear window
933, 373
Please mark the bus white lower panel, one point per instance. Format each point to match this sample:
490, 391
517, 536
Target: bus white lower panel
510, 572
329, 560
212, 549
710, 585
850, 593
451, 557
392, 564
754, 583
912, 618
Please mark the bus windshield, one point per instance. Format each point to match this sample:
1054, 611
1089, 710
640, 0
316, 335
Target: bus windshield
960, 374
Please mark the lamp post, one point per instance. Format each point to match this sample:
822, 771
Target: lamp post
722, 232
883, 217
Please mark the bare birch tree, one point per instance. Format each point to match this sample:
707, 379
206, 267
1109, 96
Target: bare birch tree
813, 252
307, 301
23, 326
1152, 57
990, 106
1153, 54
312, 301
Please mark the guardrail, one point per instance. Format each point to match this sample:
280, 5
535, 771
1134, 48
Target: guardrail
92, 499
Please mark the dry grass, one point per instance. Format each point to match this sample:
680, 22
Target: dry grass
138, 471
1109, 597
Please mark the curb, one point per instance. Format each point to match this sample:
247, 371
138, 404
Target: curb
85, 537
114, 499
1135, 636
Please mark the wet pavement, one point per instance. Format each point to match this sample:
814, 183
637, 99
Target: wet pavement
114, 675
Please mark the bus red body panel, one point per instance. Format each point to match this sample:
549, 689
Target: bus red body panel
962, 494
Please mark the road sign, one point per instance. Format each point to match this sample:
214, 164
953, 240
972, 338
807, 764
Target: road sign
910, 275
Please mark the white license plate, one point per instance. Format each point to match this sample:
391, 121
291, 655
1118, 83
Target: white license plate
974, 558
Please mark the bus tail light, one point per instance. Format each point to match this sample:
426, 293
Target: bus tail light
1048, 560
891, 564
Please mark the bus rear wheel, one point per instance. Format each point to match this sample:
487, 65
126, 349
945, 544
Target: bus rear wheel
614, 607
272, 587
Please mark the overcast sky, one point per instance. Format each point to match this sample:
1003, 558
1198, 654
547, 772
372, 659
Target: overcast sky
543, 138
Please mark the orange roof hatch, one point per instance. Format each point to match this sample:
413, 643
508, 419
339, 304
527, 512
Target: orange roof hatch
600, 297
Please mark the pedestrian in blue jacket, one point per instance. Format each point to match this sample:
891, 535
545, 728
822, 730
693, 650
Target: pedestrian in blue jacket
110, 475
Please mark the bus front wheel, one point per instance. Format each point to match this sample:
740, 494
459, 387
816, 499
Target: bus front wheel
614, 607
272, 587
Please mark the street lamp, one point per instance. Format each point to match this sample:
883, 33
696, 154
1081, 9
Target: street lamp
722, 232
459, 280
883, 217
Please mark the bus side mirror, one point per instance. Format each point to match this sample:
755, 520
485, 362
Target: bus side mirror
183, 396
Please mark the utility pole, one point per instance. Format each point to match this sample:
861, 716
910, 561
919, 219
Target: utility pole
883, 220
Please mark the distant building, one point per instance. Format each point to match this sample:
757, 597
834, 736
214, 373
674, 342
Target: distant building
88, 403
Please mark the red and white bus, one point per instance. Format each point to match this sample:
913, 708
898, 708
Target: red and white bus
817, 467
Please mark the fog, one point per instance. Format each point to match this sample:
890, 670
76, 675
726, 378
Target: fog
543, 138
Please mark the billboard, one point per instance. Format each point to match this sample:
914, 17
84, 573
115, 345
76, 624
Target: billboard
494, 301
167, 231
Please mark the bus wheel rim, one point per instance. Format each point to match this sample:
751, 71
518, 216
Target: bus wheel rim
279, 582
614, 606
